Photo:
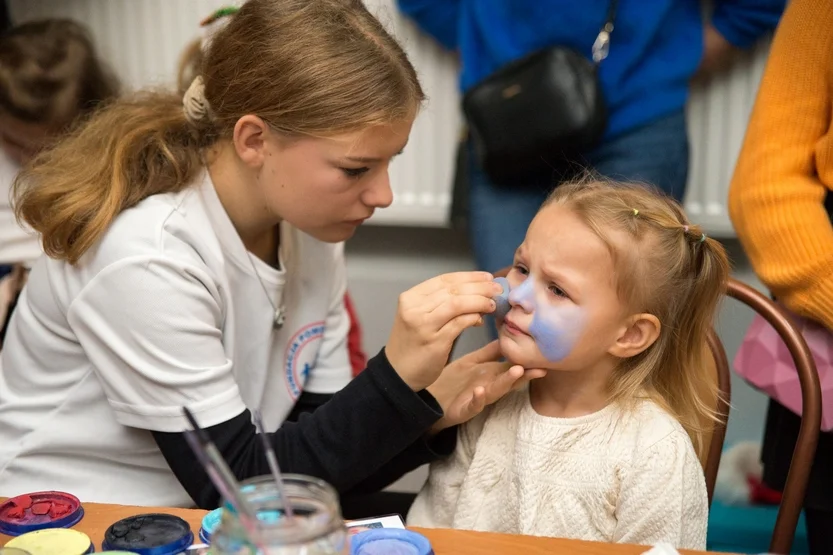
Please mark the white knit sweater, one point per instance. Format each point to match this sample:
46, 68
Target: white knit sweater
611, 476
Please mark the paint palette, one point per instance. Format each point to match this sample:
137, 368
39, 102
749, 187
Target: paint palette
39, 510
149, 534
390, 541
55, 541
210, 523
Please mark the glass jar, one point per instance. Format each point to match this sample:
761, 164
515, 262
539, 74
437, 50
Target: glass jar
316, 529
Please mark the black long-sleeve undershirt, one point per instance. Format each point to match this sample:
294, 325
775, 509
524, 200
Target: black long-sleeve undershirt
359, 440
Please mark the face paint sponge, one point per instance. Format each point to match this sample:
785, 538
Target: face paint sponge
502, 300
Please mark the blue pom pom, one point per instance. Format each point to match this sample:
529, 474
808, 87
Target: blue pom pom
502, 300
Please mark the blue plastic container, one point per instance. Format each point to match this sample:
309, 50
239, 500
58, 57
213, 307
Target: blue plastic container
149, 534
390, 541
210, 522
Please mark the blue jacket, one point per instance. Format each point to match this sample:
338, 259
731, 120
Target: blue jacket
655, 48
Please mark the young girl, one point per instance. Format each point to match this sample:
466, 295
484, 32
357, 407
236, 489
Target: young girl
50, 76
612, 292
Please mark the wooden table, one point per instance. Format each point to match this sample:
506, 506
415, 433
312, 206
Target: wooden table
99, 517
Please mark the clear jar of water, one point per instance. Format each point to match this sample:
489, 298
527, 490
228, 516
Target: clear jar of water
316, 529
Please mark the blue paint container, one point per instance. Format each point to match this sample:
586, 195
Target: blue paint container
390, 541
149, 534
210, 522
271, 516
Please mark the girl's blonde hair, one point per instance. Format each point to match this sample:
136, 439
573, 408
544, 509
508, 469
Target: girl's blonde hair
193, 55
669, 268
50, 73
307, 68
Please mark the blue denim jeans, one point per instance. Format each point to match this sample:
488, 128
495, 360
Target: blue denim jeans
656, 153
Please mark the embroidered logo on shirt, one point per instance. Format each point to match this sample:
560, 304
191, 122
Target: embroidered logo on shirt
299, 360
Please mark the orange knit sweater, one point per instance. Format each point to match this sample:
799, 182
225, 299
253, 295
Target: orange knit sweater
786, 165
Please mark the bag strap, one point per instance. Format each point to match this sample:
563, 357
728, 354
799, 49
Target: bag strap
601, 47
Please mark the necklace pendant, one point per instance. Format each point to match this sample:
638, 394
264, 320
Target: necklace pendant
279, 318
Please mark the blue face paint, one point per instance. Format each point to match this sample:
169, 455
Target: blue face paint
555, 328
524, 295
554, 342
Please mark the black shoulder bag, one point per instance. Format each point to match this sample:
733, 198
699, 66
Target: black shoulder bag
537, 115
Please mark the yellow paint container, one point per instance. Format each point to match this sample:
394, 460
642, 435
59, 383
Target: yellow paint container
53, 541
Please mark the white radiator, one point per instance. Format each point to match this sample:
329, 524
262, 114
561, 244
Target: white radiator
717, 116
142, 40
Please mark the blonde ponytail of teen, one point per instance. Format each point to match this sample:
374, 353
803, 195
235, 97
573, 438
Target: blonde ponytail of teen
130, 150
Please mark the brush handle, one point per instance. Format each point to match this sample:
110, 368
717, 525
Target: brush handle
272, 461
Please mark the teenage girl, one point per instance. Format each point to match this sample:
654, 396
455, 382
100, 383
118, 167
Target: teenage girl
195, 259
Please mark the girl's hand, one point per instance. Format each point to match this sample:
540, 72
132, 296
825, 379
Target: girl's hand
469, 384
430, 317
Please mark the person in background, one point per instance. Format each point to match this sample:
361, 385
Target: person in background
779, 202
656, 47
50, 77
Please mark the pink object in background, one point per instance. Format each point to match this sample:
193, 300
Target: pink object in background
764, 361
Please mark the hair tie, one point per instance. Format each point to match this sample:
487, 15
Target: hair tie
685, 229
194, 103
635, 212
702, 237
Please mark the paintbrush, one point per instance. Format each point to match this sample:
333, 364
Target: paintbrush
272, 461
221, 475
216, 467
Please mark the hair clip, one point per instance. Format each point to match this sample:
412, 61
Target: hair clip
635, 212
702, 237
219, 14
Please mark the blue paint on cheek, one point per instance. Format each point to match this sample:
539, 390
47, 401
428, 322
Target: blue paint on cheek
553, 329
524, 293
554, 342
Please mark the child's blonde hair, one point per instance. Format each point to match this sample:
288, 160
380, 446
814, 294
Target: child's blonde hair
670, 269
50, 73
306, 68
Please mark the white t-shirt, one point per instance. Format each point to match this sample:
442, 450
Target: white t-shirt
165, 311
17, 244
